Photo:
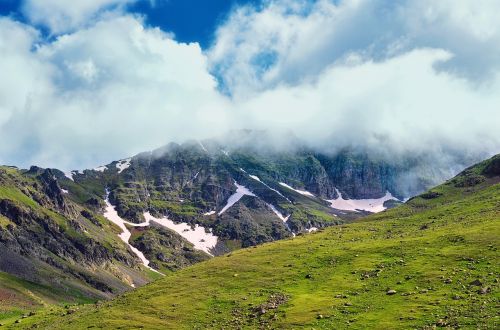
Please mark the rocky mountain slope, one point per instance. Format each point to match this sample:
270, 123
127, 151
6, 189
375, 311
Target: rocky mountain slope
49, 240
286, 192
97, 233
431, 262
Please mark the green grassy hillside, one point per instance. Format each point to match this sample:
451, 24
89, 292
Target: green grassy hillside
53, 250
431, 262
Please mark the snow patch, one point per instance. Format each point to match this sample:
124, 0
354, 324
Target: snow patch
302, 192
210, 213
282, 217
312, 229
101, 168
69, 175
256, 178
111, 214
278, 213
202, 146
64, 191
198, 236
240, 192
371, 205
123, 164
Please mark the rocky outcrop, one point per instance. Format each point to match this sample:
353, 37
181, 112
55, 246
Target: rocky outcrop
165, 249
48, 239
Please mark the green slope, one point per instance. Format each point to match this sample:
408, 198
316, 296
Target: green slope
54, 251
438, 253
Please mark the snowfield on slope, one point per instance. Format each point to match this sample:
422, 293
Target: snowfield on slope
123, 164
371, 205
256, 178
198, 236
111, 214
240, 192
302, 192
278, 213
101, 168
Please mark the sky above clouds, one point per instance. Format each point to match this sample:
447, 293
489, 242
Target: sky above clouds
86, 82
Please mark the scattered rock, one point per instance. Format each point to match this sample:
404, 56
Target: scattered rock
441, 323
430, 195
484, 290
448, 281
476, 283
274, 301
391, 292
319, 317
309, 276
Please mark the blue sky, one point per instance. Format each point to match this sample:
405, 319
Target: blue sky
86, 82
189, 20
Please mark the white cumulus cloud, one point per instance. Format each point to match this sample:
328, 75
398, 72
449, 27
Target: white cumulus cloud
61, 16
102, 93
406, 76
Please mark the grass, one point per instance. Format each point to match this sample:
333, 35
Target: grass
20, 297
430, 251
67, 282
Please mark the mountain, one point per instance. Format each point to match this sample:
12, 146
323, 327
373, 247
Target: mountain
49, 241
95, 234
193, 183
430, 262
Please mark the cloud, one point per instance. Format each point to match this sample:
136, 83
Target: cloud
401, 104
62, 16
102, 93
406, 76
294, 41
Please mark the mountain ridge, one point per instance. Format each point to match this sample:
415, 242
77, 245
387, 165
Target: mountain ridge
431, 262
54, 230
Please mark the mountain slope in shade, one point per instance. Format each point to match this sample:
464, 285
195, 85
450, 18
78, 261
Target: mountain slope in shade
431, 262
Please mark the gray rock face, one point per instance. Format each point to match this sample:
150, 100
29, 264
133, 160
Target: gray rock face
45, 238
185, 181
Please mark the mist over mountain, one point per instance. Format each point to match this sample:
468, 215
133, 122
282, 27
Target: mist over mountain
94, 83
